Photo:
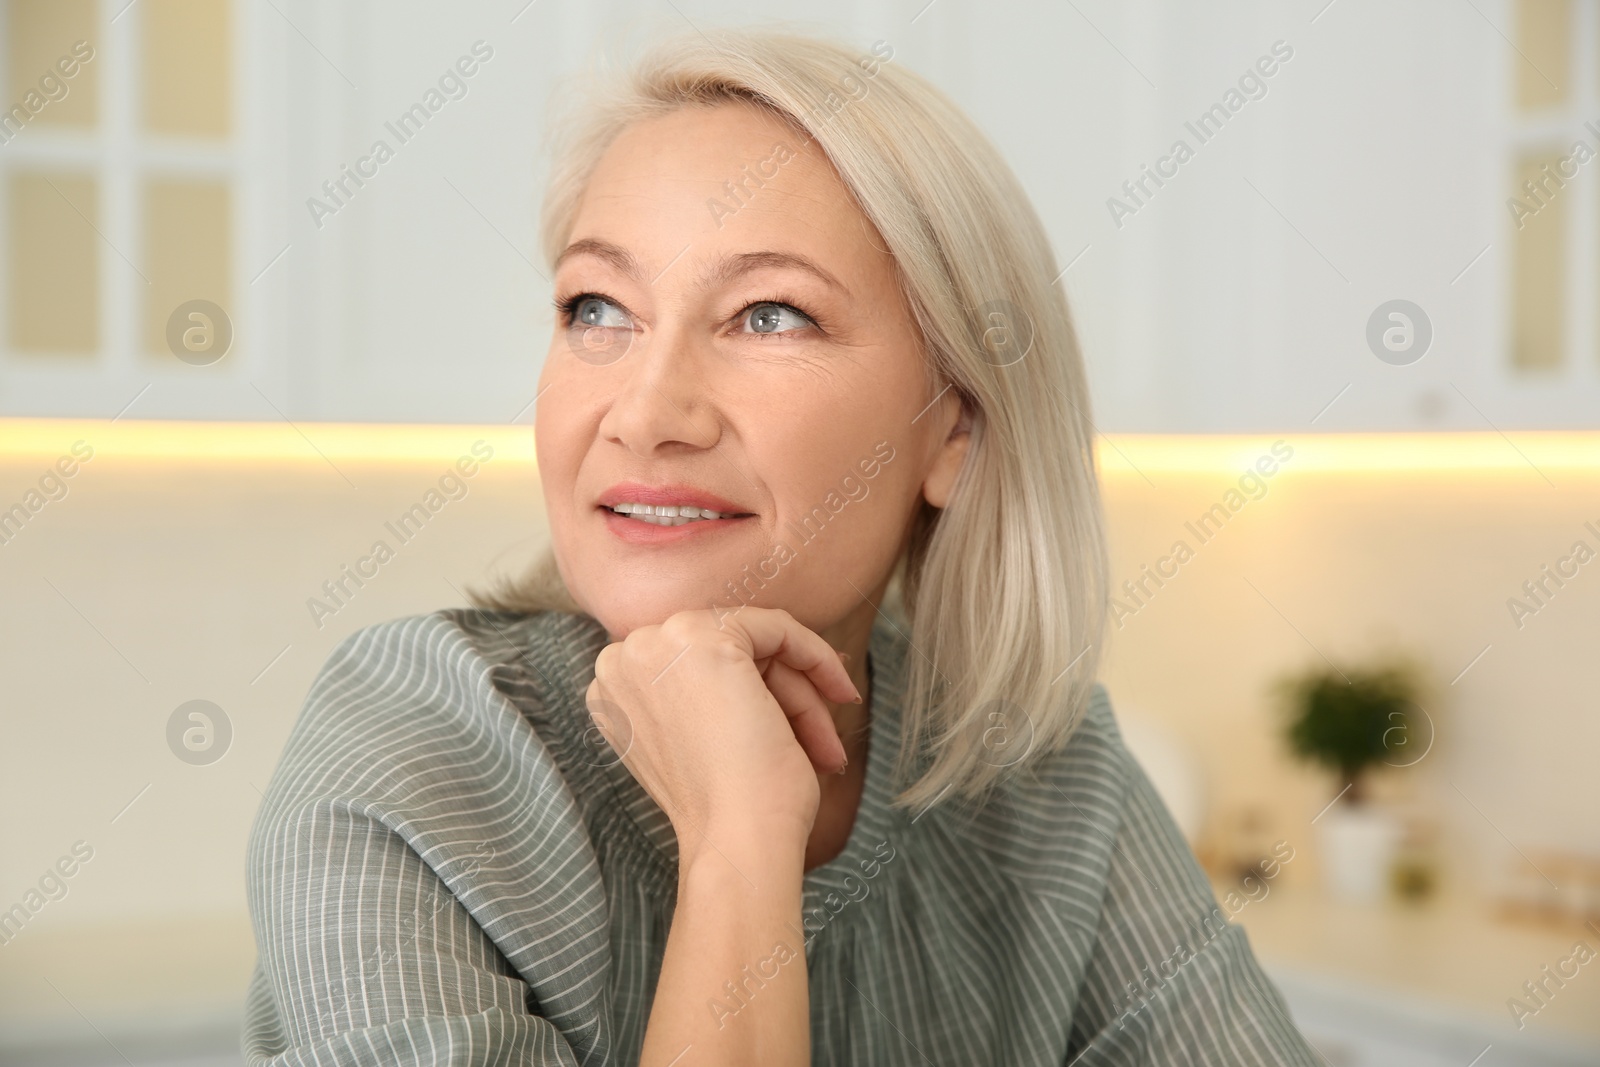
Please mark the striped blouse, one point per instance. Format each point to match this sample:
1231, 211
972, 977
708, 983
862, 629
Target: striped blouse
450, 866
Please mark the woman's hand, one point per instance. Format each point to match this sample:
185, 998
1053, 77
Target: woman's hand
725, 727
728, 728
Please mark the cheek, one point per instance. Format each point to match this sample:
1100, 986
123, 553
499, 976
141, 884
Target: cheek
826, 448
820, 483
559, 445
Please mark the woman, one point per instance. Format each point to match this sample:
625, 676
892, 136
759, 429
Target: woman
790, 750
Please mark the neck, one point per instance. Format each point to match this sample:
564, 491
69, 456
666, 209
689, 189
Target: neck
841, 793
852, 635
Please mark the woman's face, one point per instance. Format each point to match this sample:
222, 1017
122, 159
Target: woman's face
734, 337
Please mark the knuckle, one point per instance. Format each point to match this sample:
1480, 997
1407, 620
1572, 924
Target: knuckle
724, 651
680, 626
609, 718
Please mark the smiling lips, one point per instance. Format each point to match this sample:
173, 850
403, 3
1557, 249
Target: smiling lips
650, 514
667, 514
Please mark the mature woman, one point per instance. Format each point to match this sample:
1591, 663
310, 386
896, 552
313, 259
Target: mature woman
790, 750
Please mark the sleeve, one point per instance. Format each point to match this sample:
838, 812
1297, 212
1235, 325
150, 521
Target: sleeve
1170, 981
366, 957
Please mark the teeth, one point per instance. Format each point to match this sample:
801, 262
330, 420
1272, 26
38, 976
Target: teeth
666, 514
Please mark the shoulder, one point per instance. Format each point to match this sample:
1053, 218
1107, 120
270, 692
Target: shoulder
443, 663
400, 652
1093, 768
421, 702
1050, 827
409, 756
1085, 779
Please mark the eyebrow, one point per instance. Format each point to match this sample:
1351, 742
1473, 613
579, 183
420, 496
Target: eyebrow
721, 272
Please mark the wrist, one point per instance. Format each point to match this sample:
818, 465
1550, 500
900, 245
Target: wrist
739, 854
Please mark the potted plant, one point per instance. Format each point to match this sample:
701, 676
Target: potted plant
1349, 721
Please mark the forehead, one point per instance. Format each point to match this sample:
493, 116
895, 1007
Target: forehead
702, 182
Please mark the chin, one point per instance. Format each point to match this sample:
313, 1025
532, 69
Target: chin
622, 615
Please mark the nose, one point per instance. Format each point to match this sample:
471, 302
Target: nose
662, 398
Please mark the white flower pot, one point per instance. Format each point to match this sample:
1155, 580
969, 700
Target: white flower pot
1358, 845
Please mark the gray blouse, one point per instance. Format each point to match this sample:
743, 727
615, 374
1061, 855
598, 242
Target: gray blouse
450, 866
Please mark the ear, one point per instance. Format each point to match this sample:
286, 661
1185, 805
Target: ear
947, 461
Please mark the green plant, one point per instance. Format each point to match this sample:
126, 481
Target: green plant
1348, 720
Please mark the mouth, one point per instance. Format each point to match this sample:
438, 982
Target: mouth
671, 514
645, 514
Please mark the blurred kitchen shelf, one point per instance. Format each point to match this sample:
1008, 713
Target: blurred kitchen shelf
1430, 978
169, 993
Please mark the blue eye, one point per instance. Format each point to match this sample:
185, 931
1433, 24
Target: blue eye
590, 311
771, 317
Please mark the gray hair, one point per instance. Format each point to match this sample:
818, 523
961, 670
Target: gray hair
1005, 591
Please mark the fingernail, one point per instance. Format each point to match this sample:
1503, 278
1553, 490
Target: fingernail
844, 657
843, 765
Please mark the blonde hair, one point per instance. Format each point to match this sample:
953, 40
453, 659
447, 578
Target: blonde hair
1004, 591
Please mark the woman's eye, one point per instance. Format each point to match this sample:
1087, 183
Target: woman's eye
591, 311
775, 318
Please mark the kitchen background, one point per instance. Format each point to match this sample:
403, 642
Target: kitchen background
1344, 346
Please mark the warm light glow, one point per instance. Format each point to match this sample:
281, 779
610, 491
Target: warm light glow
265, 442
1530, 452
1120, 455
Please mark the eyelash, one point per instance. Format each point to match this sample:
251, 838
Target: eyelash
567, 307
